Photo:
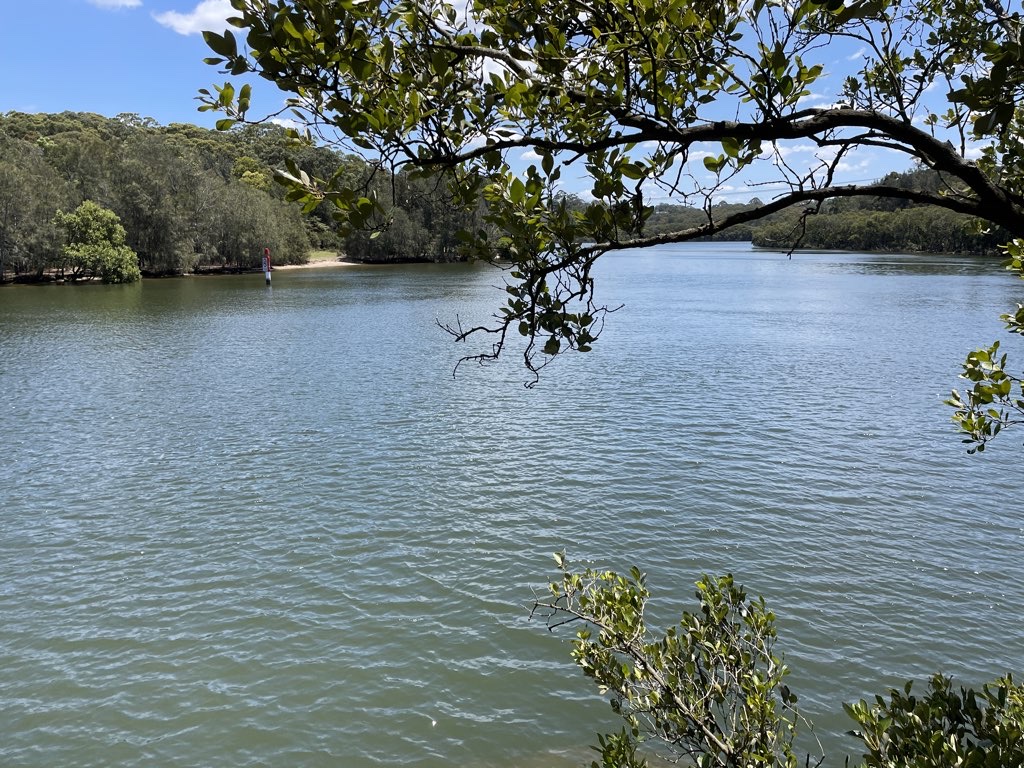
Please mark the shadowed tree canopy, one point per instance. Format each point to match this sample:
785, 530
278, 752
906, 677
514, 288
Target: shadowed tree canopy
645, 100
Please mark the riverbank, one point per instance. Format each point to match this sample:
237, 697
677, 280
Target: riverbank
318, 259
316, 264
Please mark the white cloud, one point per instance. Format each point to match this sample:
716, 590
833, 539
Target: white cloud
813, 99
853, 167
974, 151
788, 150
116, 3
208, 15
695, 156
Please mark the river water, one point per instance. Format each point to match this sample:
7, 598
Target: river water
245, 526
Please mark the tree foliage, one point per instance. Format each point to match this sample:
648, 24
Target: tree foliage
185, 195
646, 99
171, 187
94, 245
995, 399
710, 691
944, 726
30, 194
917, 229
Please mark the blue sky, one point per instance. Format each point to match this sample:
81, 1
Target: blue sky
108, 56
145, 56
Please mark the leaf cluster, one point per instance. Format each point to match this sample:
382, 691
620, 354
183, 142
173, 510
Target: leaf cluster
995, 399
94, 244
710, 692
709, 689
944, 726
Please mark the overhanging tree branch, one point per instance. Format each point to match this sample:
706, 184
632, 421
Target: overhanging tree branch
678, 97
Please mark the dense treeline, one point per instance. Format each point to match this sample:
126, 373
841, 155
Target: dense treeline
918, 229
188, 198
418, 223
191, 199
856, 224
884, 224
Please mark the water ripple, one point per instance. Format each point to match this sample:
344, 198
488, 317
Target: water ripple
247, 528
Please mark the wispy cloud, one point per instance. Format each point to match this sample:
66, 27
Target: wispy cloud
208, 15
858, 166
974, 151
116, 3
786, 151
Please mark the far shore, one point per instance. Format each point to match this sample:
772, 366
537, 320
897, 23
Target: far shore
318, 259
316, 264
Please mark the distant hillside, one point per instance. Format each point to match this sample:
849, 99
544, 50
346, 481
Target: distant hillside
673, 218
859, 224
885, 224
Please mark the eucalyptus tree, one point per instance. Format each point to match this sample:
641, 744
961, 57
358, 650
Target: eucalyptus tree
157, 197
241, 221
30, 193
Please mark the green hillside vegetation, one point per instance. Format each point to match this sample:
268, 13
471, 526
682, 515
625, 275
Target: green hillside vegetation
191, 199
667, 218
884, 224
196, 200
855, 224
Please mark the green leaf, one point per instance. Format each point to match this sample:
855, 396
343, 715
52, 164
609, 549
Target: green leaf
517, 191
224, 45
715, 164
632, 170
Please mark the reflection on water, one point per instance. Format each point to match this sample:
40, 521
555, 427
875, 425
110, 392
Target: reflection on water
246, 526
924, 264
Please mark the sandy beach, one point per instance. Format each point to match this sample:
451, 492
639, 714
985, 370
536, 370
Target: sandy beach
317, 264
318, 259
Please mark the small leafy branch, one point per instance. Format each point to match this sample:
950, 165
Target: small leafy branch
943, 727
709, 691
996, 397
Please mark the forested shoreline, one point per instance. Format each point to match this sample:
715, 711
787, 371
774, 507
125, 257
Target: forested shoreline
868, 224
193, 200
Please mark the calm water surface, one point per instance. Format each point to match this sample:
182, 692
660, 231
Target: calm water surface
247, 527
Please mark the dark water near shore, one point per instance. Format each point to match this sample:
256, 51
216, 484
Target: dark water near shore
245, 527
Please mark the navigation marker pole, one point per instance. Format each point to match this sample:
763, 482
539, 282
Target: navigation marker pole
266, 264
